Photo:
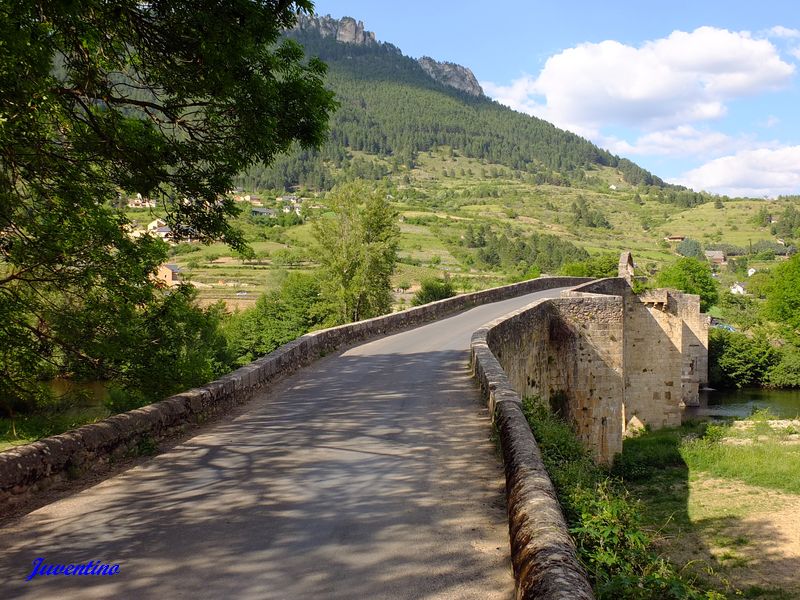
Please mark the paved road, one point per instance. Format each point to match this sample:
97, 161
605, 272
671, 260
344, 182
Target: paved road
369, 474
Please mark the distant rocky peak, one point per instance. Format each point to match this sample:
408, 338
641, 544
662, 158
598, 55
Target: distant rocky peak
346, 29
456, 76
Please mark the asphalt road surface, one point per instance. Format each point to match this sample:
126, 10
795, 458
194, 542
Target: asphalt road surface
369, 474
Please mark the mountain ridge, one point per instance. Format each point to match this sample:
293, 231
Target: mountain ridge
391, 107
348, 30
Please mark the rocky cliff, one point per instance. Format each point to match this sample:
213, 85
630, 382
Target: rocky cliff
350, 31
451, 74
346, 29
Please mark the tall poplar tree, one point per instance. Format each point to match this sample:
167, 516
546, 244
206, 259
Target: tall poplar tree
357, 252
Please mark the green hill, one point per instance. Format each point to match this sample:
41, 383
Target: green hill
390, 107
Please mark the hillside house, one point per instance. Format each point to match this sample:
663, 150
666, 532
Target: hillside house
675, 238
738, 289
715, 257
163, 232
153, 225
169, 274
261, 212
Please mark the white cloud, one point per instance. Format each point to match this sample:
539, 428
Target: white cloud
771, 121
783, 32
665, 83
683, 140
756, 173
795, 52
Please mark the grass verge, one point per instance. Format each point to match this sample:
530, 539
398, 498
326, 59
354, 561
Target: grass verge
605, 520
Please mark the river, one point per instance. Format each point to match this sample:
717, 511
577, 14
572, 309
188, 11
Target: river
741, 403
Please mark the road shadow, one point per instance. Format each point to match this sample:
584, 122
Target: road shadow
367, 477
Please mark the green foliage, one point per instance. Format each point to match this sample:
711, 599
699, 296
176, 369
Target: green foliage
736, 360
693, 277
585, 216
785, 373
433, 289
515, 252
788, 225
357, 252
169, 346
121, 400
169, 99
277, 318
728, 249
739, 309
772, 249
602, 265
604, 520
691, 248
783, 295
763, 217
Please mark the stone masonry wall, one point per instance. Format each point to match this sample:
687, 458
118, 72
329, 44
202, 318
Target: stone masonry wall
608, 370
591, 355
26, 469
569, 353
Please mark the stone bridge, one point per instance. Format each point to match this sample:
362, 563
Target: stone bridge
357, 462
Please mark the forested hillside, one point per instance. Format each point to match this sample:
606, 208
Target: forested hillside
391, 108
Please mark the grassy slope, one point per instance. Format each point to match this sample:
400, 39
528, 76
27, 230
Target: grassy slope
461, 191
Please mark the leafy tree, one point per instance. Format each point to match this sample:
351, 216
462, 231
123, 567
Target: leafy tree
783, 294
168, 98
763, 217
433, 289
168, 346
357, 252
786, 372
788, 226
582, 214
691, 248
693, 277
277, 318
736, 360
739, 309
603, 265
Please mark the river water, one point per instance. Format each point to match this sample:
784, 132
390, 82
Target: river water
741, 403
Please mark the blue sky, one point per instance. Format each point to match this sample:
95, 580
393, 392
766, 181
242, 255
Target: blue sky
701, 93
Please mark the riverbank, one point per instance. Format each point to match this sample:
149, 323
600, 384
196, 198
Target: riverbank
722, 501
29, 428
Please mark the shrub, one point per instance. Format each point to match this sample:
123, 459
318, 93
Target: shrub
433, 289
604, 521
690, 248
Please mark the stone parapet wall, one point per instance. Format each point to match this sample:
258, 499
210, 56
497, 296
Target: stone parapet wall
26, 469
600, 355
542, 551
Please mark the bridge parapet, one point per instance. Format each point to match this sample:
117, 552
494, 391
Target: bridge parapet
26, 469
